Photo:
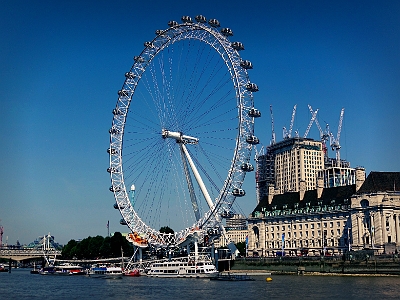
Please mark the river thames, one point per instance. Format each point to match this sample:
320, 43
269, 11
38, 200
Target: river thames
20, 284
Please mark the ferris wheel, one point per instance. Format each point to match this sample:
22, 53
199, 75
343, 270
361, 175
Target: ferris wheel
182, 132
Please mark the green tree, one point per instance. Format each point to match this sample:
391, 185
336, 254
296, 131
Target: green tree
166, 229
105, 248
94, 246
66, 250
241, 246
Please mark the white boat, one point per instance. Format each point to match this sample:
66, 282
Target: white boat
192, 266
63, 270
69, 270
107, 272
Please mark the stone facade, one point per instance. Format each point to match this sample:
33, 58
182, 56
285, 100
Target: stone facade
329, 221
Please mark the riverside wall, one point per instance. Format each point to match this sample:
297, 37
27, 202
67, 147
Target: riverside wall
389, 265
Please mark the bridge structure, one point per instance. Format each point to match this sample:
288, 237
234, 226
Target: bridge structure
45, 246
26, 253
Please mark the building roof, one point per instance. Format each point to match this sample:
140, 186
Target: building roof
375, 182
380, 182
339, 194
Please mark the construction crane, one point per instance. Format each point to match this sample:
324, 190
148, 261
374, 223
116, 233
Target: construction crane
273, 140
323, 135
335, 145
288, 134
314, 116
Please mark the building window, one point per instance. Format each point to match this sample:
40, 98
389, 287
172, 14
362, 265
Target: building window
312, 225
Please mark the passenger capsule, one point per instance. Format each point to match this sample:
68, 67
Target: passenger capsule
114, 189
116, 206
246, 64
214, 23
227, 214
113, 130
122, 222
148, 44
116, 112
237, 46
111, 151
186, 19
254, 112
247, 167
172, 23
238, 192
123, 93
201, 19
226, 32
252, 87
138, 59
130, 75
252, 139
112, 170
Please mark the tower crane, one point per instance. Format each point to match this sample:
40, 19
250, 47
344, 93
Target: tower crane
314, 115
323, 135
273, 140
335, 145
288, 134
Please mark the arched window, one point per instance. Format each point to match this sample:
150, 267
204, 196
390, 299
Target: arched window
364, 203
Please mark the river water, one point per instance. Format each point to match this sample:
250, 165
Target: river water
20, 284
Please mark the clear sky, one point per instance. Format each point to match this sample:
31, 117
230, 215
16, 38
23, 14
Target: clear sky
62, 63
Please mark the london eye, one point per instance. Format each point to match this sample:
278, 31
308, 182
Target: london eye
182, 131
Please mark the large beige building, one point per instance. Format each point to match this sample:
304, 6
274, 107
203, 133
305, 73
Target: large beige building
364, 215
297, 161
295, 164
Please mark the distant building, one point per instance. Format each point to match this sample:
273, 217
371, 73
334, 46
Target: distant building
236, 229
296, 164
44, 243
363, 215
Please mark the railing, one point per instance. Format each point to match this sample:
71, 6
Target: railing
27, 252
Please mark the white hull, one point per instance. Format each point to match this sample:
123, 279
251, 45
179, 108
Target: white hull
183, 267
106, 272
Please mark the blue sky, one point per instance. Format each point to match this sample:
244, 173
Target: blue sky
62, 64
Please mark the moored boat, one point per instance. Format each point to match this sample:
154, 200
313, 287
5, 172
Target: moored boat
132, 273
3, 269
107, 272
62, 270
192, 266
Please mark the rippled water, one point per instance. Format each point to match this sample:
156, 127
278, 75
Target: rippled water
20, 284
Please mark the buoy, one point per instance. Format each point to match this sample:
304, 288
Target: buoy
268, 279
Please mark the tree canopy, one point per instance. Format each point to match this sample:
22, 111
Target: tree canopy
98, 247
